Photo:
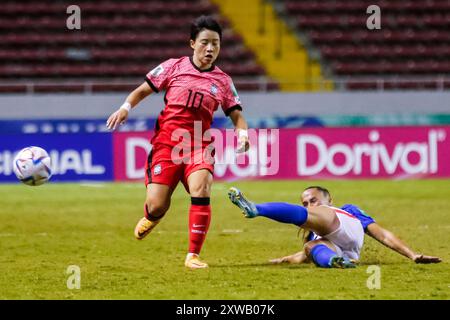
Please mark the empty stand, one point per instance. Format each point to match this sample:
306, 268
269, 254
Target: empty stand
119, 41
413, 42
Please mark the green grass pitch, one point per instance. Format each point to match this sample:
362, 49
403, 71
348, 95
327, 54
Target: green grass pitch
44, 230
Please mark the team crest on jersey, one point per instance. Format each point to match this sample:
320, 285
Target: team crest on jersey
157, 169
157, 71
214, 89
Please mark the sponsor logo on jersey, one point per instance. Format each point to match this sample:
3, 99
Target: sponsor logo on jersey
157, 71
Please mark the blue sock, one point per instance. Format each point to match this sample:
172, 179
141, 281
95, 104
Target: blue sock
283, 212
321, 255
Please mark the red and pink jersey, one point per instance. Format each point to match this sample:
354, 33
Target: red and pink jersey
191, 95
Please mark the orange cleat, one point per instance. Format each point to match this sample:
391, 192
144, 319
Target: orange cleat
144, 227
193, 262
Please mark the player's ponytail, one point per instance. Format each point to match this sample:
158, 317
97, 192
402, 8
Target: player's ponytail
305, 235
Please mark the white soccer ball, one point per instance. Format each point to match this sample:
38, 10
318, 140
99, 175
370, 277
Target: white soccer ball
32, 166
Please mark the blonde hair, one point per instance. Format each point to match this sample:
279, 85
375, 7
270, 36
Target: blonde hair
305, 234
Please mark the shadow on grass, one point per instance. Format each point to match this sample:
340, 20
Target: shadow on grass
380, 263
262, 264
300, 266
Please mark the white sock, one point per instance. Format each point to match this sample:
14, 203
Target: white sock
190, 255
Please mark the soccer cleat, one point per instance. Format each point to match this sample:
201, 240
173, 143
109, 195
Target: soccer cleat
144, 227
248, 208
341, 262
193, 262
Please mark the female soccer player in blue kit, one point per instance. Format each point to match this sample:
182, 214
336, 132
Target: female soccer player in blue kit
336, 235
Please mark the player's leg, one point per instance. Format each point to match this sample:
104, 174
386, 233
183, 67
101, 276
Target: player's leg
278, 211
156, 204
325, 254
161, 178
199, 185
322, 220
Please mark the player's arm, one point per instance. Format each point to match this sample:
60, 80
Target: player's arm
391, 241
296, 258
240, 124
121, 115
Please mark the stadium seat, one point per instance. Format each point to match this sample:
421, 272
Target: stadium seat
119, 43
414, 40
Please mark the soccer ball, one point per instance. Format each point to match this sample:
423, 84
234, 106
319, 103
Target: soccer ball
32, 166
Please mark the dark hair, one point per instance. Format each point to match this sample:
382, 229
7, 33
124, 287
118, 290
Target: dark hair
205, 22
324, 191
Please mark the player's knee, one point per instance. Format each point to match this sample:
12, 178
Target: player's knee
199, 184
156, 209
307, 247
200, 189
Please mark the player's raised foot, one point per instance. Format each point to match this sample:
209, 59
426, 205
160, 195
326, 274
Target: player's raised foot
341, 262
248, 208
144, 227
193, 262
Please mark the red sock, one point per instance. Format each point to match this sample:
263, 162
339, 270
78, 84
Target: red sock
199, 219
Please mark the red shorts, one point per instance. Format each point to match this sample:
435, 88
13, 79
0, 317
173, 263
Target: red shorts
163, 168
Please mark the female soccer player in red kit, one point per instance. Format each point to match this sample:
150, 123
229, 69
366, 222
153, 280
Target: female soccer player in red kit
195, 88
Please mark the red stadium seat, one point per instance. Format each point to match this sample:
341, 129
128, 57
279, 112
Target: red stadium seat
154, 30
414, 40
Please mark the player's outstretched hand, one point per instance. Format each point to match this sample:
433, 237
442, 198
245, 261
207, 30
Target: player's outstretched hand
295, 258
117, 118
420, 258
280, 260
